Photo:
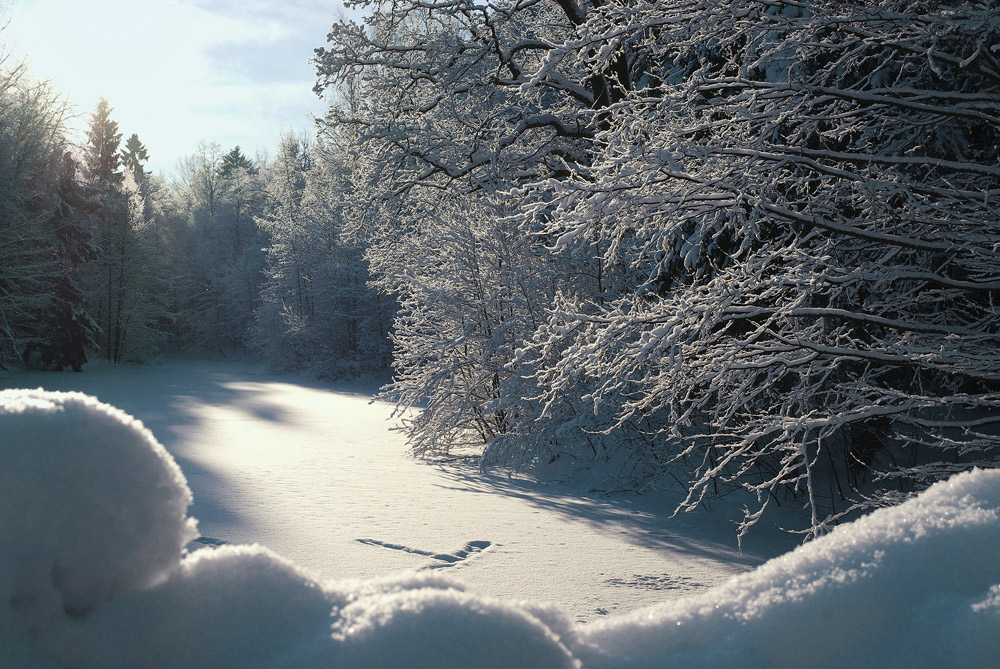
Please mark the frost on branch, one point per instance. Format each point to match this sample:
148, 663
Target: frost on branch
450, 105
798, 213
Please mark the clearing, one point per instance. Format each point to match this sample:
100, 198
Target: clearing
315, 472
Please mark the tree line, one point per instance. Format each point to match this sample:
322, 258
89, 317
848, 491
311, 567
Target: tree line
100, 259
732, 245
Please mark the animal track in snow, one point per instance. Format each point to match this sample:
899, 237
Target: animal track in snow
440, 559
657, 582
202, 542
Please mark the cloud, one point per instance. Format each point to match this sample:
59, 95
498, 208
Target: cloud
180, 71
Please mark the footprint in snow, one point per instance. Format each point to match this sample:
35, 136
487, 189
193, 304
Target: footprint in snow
440, 559
202, 542
657, 582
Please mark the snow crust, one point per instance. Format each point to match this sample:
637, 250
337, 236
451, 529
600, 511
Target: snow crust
93, 573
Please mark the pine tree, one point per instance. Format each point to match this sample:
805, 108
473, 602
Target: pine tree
67, 325
122, 284
103, 140
233, 161
133, 156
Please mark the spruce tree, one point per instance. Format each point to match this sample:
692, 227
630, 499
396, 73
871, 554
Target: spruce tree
103, 140
109, 220
133, 156
233, 161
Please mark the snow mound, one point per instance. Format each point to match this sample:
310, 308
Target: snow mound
419, 623
93, 574
90, 504
909, 586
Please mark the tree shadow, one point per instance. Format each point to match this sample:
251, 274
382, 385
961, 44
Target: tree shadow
646, 520
167, 399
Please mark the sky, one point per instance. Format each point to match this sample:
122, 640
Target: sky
179, 72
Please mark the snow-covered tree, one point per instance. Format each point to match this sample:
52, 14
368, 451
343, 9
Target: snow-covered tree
133, 157
317, 311
233, 162
124, 281
43, 240
141, 308
797, 205
471, 288
438, 92
449, 106
216, 251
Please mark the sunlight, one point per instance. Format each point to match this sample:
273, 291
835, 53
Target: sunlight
173, 71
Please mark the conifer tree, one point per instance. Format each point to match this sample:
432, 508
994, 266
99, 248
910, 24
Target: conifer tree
103, 140
233, 161
121, 284
42, 238
133, 156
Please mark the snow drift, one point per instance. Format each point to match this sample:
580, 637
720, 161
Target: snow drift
93, 573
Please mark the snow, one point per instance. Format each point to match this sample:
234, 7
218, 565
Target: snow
909, 586
93, 570
318, 477
91, 504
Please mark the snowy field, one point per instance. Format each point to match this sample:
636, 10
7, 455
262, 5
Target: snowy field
317, 475
410, 564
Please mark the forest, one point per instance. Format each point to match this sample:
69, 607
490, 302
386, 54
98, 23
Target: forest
739, 245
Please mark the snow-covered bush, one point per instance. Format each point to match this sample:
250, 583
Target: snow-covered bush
471, 287
93, 574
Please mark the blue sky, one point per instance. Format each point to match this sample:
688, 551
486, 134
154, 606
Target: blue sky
176, 72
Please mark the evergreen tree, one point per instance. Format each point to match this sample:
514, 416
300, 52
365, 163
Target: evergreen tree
233, 161
68, 326
43, 240
103, 141
123, 283
102, 160
133, 156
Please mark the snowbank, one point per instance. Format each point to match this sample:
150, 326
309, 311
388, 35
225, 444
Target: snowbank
93, 573
911, 586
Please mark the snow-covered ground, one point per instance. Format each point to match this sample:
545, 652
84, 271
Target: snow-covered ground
317, 475
94, 572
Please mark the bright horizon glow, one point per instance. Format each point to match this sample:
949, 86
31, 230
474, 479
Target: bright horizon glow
178, 72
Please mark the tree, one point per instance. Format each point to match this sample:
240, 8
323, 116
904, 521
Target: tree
471, 289
42, 241
317, 310
234, 161
449, 106
68, 327
102, 160
755, 238
799, 200
133, 156
124, 281
141, 308
218, 255
103, 140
